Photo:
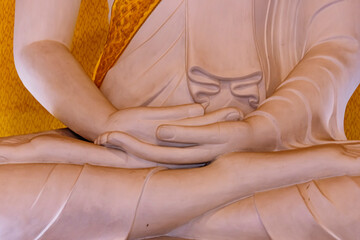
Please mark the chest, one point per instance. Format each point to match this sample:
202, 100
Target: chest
214, 35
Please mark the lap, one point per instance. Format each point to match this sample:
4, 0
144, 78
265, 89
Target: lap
71, 201
318, 209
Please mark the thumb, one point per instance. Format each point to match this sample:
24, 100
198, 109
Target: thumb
222, 115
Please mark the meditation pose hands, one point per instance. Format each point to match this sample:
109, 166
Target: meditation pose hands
275, 80
142, 122
201, 143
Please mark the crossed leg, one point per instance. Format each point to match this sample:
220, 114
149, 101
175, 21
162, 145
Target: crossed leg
174, 198
171, 198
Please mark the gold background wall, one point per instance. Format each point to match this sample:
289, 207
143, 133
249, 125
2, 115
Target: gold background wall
20, 113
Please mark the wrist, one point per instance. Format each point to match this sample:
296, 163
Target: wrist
265, 135
96, 125
110, 121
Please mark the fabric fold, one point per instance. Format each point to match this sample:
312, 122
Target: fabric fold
63, 201
102, 204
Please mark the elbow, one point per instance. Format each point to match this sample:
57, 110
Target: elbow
20, 60
38, 48
28, 57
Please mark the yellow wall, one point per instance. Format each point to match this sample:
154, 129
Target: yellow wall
20, 113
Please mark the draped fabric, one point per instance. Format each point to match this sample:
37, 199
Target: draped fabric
319, 209
19, 118
127, 16
300, 70
223, 67
296, 42
80, 202
62, 201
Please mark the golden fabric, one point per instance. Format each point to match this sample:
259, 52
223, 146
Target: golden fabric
352, 116
127, 16
20, 113
90, 33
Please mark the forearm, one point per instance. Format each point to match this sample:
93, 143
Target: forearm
51, 73
53, 148
63, 148
308, 107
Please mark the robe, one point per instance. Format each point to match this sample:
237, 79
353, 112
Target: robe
307, 54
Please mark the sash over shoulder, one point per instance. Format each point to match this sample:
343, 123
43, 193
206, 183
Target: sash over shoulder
127, 16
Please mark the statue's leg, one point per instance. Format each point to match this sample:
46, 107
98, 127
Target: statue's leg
23, 188
63, 201
238, 220
47, 199
320, 209
62, 147
174, 197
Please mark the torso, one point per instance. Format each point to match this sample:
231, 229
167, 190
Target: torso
189, 51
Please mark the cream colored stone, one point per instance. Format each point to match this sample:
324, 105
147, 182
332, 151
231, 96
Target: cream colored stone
256, 87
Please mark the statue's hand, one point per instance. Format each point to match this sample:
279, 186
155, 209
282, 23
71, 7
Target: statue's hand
142, 122
208, 141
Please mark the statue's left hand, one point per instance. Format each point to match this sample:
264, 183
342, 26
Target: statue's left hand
208, 141
142, 122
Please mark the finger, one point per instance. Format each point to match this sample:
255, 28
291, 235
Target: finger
206, 134
216, 133
225, 114
102, 139
175, 112
170, 155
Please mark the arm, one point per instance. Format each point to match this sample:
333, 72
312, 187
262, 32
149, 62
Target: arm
53, 147
42, 36
308, 107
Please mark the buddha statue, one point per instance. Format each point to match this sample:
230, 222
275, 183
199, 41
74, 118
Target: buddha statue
207, 119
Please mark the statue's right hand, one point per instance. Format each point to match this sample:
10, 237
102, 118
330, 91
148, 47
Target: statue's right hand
142, 122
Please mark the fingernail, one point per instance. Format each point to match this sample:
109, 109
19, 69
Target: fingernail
234, 116
166, 133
